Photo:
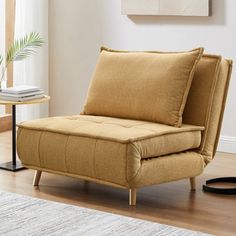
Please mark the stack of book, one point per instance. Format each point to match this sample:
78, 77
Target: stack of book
21, 93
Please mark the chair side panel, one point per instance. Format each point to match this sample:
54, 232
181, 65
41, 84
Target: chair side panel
206, 102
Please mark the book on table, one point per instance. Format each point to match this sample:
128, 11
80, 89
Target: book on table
21, 93
20, 89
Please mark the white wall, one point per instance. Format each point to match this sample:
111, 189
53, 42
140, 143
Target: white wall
32, 16
79, 27
75, 38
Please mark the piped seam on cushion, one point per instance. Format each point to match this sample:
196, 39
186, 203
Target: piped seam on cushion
129, 180
149, 160
187, 88
103, 48
230, 63
208, 113
130, 140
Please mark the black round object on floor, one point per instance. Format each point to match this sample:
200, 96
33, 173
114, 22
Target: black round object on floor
227, 191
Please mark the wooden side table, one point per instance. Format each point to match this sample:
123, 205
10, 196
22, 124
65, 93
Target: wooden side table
16, 165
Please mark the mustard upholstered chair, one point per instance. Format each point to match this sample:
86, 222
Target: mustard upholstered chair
149, 118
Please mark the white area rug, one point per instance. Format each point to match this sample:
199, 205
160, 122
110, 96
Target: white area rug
22, 215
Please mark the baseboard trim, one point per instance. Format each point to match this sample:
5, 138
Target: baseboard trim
227, 144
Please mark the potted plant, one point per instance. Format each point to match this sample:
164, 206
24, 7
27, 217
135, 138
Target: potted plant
20, 50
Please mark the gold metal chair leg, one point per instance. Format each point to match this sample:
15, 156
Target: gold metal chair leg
132, 197
193, 183
37, 177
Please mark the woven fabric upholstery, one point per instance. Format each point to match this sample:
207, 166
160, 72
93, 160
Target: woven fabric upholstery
150, 86
108, 149
132, 153
206, 100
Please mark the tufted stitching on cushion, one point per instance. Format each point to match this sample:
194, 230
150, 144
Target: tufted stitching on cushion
125, 126
108, 123
125, 133
153, 131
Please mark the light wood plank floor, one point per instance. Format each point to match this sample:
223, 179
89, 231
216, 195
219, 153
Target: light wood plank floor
170, 203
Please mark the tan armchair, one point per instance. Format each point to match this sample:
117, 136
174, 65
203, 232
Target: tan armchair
149, 118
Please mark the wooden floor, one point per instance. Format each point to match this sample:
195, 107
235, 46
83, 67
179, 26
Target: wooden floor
170, 203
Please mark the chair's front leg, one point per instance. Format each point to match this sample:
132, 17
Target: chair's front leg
37, 176
132, 196
193, 183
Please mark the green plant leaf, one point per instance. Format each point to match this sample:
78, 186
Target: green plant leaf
24, 47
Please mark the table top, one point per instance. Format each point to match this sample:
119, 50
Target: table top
33, 101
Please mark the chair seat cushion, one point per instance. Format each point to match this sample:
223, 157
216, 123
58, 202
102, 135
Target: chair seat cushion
107, 150
149, 139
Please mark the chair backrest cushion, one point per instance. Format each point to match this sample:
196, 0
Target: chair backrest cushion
206, 100
151, 86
